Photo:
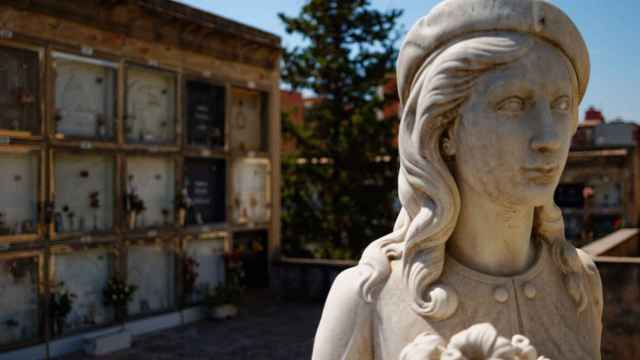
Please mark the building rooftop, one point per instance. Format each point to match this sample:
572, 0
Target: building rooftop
167, 22
210, 20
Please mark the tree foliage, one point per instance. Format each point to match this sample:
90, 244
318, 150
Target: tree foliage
345, 200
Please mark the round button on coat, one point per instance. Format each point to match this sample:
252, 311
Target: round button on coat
530, 291
501, 294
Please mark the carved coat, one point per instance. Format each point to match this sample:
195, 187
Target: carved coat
535, 304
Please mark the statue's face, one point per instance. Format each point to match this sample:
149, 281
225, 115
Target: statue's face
513, 139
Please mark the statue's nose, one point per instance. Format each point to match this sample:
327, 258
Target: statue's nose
546, 132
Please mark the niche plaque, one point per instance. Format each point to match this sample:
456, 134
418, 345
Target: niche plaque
205, 182
205, 114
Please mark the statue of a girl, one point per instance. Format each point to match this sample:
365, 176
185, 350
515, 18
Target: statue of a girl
489, 91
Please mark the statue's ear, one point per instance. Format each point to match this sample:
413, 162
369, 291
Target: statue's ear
449, 142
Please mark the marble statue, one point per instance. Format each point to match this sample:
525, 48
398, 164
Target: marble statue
489, 93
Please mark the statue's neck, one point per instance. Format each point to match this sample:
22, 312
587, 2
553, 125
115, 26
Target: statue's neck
492, 238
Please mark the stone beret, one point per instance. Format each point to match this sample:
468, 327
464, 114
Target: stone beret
452, 19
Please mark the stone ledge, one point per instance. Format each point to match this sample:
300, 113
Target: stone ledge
107, 343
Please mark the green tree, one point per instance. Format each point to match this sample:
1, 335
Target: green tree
345, 200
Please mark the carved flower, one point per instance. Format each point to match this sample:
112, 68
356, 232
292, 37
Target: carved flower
479, 342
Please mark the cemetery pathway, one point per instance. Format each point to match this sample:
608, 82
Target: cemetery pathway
282, 331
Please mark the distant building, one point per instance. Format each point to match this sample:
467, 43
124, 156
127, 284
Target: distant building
599, 191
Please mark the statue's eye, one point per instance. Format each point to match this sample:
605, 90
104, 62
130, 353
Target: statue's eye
563, 103
512, 105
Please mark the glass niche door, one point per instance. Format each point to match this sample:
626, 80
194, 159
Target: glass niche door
85, 91
84, 193
248, 121
150, 106
151, 181
152, 269
19, 92
19, 193
84, 274
203, 268
19, 305
251, 191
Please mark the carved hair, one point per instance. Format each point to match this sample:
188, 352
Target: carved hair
428, 192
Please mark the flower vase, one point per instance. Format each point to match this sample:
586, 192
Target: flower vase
131, 220
95, 221
225, 311
58, 325
120, 313
101, 132
182, 215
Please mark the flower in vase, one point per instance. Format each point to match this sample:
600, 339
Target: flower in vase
94, 200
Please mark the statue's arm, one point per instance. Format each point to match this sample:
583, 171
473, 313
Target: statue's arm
345, 327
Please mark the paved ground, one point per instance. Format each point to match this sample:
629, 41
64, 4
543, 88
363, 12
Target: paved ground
281, 331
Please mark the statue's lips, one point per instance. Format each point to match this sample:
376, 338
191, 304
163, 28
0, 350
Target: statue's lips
541, 174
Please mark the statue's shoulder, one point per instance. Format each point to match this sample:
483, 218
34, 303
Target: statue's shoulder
345, 327
346, 286
592, 275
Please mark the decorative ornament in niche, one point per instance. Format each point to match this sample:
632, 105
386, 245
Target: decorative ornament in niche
84, 174
27, 226
19, 268
24, 96
58, 116
158, 177
165, 215
17, 177
241, 118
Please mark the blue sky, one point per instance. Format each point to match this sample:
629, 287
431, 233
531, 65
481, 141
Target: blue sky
610, 28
